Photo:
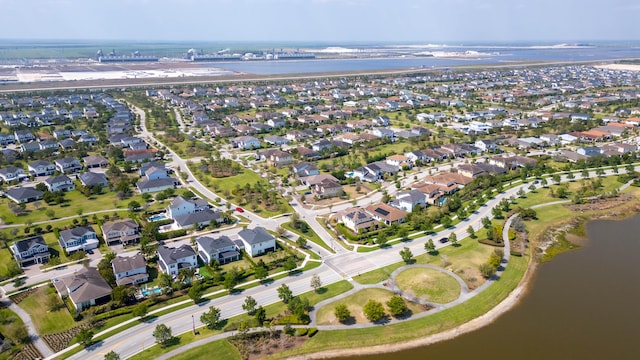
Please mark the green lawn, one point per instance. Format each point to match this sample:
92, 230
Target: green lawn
309, 235
450, 318
221, 348
10, 323
75, 204
428, 284
463, 260
6, 258
355, 303
45, 321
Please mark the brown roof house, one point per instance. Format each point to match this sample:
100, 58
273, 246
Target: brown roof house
386, 213
130, 270
356, 219
328, 188
84, 288
123, 232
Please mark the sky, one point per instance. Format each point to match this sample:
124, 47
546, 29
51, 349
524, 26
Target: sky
331, 21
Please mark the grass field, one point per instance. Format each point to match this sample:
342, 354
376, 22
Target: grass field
45, 321
355, 302
9, 324
428, 284
310, 235
6, 258
463, 260
450, 318
221, 348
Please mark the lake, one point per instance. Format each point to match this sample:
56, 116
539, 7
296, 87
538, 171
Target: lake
581, 305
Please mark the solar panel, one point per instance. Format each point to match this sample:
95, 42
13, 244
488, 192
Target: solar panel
382, 211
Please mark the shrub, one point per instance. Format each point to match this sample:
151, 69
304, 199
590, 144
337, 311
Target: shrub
302, 331
312, 331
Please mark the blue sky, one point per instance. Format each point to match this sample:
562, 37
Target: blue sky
333, 21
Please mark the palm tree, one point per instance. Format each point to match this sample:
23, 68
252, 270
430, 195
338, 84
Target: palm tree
186, 274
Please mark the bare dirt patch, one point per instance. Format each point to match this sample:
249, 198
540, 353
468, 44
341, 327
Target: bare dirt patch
600, 204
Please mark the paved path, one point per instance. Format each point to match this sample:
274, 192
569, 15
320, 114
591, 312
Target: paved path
40, 344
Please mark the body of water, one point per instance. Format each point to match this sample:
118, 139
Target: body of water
581, 305
459, 55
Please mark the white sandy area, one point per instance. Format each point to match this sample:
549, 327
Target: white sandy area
625, 67
128, 74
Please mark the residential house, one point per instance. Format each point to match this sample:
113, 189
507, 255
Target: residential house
220, 249
130, 270
246, 142
408, 200
90, 179
328, 188
95, 161
276, 140
6, 139
357, 220
384, 133
59, 183
121, 232
418, 156
78, 238
68, 165
84, 288
485, 145
33, 250
23, 195
41, 168
257, 241
12, 173
172, 260
23, 136
386, 213
374, 171
470, 170
192, 212
155, 179
399, 161
305, 169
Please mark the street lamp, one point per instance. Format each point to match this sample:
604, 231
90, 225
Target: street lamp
193, 320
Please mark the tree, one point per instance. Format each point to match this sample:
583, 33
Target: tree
544, 183
471, 232
556, 178
453, 239
249, 305
571, 176
163, 335
497, 212
195, 293
84, 337
289, 264
186, 274
397, 306
140, 310
284, 293
260, 270
301, 242
230, 281
211, 318
430, 247
111, 355
165, 281
342, 313
280, 231
373, 310
486, 222
133, 206
260, 315
316, 283
406, 255
487, 270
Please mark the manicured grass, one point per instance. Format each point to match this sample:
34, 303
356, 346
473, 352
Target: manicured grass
221, 348
6, 258
428, 284
438, 322
9, 324
463, 260
45, 321
355, 303
309, 235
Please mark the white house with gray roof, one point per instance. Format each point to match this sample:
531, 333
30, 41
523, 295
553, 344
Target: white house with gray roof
33, 250
408, 200
220, 249
78, 238
257, 241
130, 270
41, 168
171, 260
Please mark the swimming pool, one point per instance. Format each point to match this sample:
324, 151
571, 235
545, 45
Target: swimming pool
154, 290
158, 217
